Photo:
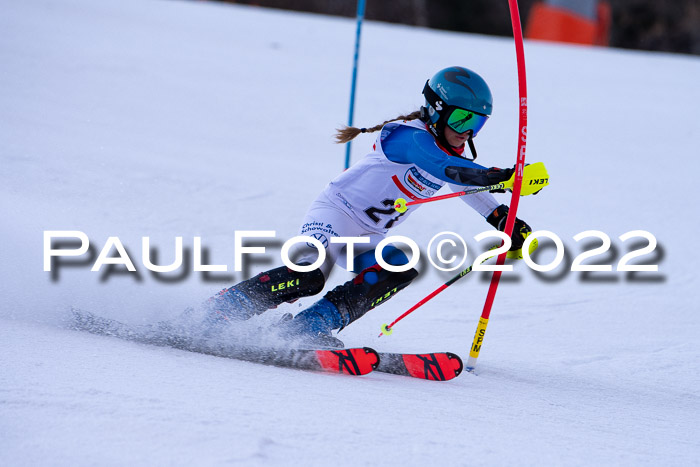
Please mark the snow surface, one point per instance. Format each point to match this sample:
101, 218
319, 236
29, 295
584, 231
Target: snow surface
163, 118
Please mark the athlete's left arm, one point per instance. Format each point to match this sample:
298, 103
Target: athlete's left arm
407, 145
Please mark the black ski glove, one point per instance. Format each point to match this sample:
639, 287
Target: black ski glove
496, 175
520, 230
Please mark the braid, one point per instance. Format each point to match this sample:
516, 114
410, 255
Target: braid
348, 133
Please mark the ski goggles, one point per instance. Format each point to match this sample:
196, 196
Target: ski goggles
459, 119
462, 120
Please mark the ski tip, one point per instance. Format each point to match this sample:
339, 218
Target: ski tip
437, 366
457, 364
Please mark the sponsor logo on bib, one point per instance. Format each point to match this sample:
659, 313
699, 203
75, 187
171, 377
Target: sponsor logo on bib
419, 184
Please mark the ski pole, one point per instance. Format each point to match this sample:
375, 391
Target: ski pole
401, 205
387, 329
358, 31
535, 177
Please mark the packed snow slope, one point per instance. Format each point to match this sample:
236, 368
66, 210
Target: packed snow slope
168, 119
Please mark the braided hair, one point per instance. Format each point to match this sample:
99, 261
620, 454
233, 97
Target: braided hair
348, 133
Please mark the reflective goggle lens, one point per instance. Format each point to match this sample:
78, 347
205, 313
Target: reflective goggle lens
461, 120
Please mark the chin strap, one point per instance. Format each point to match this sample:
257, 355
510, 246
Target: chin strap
470, 141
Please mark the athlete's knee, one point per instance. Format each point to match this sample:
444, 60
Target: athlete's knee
390, 254
370, 288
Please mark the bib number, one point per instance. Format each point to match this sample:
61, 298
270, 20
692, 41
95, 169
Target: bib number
379, 215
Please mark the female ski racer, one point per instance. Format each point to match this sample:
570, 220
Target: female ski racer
413, 157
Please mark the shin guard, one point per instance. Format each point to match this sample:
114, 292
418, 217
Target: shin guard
264, 291
372, 287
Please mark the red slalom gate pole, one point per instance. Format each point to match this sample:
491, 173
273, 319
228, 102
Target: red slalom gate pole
520, 164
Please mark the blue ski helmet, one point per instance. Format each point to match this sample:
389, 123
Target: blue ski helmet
449, 93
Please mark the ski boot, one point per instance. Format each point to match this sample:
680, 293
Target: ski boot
311, 334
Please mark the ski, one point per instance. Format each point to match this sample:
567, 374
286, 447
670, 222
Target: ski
438, 366
354, 361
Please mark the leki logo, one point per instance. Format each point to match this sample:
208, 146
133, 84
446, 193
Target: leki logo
539, 181
283, 285
384, 297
